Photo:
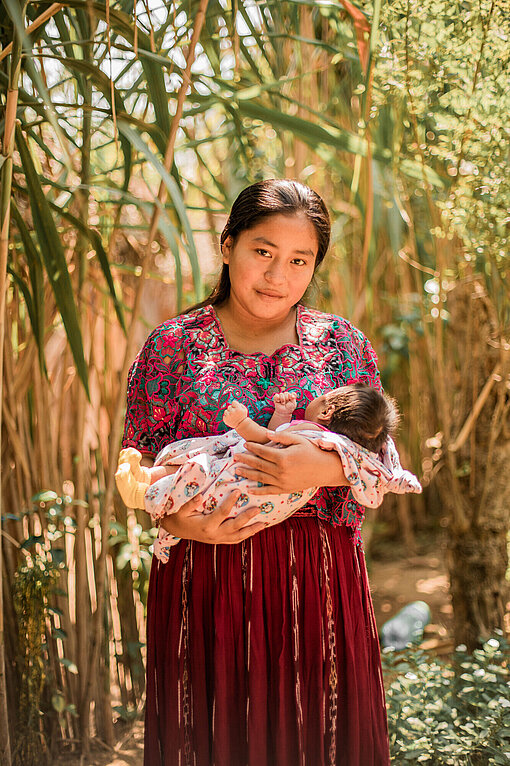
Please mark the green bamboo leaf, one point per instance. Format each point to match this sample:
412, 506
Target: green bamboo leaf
94, 238
39, 106
172, 237
417, 171
177, 200
309, 132
27, 295
54, 257
35, 270
122, 23
14, 9
103, 83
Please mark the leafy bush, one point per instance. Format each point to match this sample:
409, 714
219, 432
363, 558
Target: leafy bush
450, 712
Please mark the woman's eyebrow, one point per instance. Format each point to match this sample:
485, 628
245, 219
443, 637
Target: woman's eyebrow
265, 241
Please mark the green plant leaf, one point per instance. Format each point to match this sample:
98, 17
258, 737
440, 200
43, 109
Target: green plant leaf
54, 258
94, 238
35, 270
177, 200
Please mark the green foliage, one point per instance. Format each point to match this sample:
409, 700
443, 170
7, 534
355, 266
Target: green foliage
133, 550
441, 99
33, 584
450, 712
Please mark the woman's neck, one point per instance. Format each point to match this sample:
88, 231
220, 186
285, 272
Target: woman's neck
249, 335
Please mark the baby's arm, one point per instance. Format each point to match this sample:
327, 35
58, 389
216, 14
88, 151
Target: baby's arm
284, 405
236, 416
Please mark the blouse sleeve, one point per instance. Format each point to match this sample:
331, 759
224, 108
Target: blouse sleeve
136, 426
151, 407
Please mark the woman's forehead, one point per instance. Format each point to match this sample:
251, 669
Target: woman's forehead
278, 229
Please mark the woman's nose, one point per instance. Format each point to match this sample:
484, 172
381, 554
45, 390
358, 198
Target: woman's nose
275, 271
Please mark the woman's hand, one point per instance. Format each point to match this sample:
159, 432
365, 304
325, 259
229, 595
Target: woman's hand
300, 466
216, 528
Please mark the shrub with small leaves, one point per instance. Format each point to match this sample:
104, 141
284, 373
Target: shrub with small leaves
32, 584
450, 712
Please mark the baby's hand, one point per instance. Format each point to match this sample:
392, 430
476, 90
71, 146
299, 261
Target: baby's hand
234, 414
285, 402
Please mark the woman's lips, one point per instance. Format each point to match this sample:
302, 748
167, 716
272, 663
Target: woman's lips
268, 294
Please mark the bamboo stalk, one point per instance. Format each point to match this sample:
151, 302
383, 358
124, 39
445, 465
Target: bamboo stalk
95, 641
83, 608
5, 208
477, 408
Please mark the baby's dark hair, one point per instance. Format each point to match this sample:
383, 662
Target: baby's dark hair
363, 414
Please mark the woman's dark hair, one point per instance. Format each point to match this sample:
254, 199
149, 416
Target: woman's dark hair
261, 200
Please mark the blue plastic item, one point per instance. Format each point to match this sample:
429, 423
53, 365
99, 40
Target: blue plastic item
406, 627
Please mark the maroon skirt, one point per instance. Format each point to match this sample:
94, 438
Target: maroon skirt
265, 653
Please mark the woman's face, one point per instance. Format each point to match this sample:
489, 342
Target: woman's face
271, 265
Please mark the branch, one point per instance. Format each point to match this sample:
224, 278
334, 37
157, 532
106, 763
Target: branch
48, 13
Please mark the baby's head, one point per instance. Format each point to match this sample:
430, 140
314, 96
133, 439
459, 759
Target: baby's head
357, 411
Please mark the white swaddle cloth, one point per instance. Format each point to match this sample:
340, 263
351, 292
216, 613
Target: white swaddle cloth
208, 466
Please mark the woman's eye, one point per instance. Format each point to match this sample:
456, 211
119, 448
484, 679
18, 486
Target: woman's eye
260, 251
301, 261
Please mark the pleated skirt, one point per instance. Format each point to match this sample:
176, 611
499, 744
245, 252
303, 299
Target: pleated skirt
265, 653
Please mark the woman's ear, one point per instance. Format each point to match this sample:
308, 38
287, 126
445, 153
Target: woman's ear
226, 249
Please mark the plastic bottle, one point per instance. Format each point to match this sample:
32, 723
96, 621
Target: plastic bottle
406, 626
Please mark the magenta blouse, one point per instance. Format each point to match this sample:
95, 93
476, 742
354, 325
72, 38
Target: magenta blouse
186, 374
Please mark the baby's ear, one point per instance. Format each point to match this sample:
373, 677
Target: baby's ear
326, 413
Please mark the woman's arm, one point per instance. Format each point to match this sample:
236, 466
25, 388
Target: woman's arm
189, 523
215, 528
300, 466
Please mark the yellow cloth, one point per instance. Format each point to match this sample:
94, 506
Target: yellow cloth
132, 478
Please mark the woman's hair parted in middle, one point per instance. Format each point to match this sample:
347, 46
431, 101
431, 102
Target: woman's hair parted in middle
363, 414
275, 196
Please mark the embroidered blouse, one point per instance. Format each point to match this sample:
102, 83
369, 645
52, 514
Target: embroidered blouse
186, 373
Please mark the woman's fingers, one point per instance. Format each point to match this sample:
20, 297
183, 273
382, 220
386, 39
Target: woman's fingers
256, 463
191, 506
253, 529
269, 454
267, 489
257, 476
243, 518
224, 508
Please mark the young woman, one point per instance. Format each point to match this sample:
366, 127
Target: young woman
262, 646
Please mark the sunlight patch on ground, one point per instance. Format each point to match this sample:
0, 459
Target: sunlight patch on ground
432, 584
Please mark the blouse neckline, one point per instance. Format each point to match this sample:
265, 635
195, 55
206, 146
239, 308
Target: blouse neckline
299, 330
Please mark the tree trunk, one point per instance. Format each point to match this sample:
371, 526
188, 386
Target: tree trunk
477, 563
473, 482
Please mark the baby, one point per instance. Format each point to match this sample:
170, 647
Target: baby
355, 420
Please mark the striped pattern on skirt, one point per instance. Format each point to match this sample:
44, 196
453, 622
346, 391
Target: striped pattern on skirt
265, 653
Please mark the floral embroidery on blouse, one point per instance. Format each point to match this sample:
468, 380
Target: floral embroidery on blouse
186, 374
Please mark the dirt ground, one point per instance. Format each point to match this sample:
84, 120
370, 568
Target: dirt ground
394, 583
